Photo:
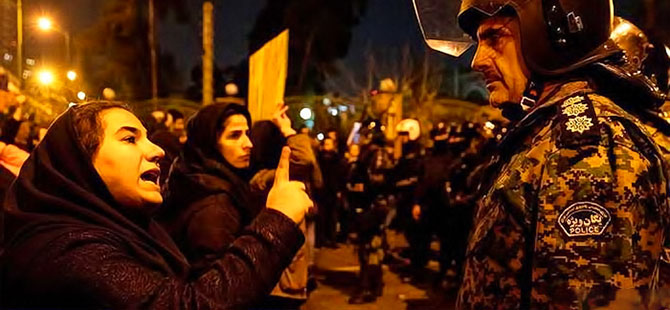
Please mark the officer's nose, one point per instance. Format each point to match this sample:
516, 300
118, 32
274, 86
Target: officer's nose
478, 62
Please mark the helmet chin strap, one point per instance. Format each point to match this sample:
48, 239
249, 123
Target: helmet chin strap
532, 94
515, 111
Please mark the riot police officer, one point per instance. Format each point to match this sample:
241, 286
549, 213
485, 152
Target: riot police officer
433, 207
407, 174
576, 209
368, 188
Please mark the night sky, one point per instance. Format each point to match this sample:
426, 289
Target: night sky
388, 24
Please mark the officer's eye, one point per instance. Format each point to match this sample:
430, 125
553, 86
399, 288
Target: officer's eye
492, 36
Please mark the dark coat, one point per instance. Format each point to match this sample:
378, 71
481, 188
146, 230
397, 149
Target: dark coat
70, 245
207, 202
170, 144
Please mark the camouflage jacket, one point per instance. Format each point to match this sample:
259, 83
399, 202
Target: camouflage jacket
575, 214
662, 140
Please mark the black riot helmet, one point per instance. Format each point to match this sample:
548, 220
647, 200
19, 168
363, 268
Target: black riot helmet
641, 75
557, 36
643, 54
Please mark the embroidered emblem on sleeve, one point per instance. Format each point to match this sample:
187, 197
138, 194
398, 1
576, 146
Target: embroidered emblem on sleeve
584, 219
579, 124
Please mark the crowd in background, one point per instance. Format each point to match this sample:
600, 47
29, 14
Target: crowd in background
362, 188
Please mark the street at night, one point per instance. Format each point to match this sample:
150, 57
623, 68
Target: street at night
335, 155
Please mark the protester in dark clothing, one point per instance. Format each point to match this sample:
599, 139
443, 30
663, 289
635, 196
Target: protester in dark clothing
166, 135
268, 138
11, 125
207, 197
333, 182
79, 233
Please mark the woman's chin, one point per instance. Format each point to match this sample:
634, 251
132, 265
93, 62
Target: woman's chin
152, 201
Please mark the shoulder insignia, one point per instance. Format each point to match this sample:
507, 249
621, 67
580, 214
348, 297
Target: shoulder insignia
575, 109
578, 122
572, 100
584, 219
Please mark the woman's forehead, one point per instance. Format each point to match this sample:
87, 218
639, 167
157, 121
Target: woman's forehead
115, 118
236, 122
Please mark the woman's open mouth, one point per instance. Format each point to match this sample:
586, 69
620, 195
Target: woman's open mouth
152, 176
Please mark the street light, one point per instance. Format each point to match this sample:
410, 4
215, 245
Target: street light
71, 75
81, 95
306, 113
44, 23
45, 77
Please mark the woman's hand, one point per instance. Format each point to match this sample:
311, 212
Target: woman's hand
281, 120
288, 197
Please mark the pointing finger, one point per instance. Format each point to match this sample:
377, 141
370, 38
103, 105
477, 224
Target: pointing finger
281, 174
283, 110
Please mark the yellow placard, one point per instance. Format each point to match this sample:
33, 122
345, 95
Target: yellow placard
267, 77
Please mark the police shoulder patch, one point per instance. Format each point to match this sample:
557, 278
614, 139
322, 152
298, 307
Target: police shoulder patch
584, 219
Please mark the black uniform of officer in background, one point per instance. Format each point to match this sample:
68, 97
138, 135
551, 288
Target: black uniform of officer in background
433, 208
368, 186
407, 175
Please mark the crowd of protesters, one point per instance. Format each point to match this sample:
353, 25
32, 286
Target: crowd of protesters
215, 210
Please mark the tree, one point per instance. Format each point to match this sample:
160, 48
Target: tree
320, 34
116, 48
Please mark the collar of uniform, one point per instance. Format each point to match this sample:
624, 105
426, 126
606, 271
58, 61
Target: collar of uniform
562, 92
553, 97
545, 109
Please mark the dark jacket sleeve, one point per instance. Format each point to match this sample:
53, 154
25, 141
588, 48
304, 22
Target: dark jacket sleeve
212, 228
303, 167
100, 268
9, 130
303, 160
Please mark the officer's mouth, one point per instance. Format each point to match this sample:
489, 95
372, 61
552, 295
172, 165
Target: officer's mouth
492, 84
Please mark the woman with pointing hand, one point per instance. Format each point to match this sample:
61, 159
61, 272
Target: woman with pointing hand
79, 231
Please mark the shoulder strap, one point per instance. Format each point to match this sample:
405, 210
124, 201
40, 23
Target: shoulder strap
579, 124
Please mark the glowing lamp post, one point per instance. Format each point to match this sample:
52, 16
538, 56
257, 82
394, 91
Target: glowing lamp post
45, 77
71, 75
44, 23
306, 113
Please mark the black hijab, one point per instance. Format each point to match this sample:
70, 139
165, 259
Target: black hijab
201, 170
58, 190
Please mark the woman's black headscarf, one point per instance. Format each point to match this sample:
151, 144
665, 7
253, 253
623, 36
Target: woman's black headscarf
201, 170
58, 190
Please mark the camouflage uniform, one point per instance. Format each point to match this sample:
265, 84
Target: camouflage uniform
575, 214
663, 142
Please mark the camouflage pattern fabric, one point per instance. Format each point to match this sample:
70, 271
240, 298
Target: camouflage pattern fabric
663, 142
575, 215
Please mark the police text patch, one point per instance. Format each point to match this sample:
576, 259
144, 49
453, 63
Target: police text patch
584, 219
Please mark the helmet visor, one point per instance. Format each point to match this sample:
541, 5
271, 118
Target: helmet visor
438, 20
442, 22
